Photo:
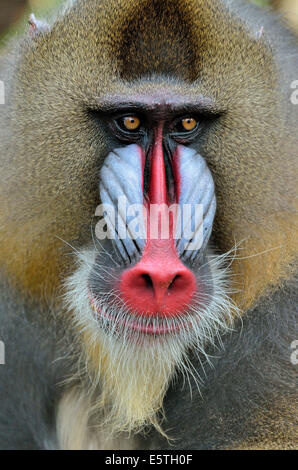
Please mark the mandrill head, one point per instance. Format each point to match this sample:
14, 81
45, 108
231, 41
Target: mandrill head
149, 289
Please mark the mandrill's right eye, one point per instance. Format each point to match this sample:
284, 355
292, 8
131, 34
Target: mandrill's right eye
129, 123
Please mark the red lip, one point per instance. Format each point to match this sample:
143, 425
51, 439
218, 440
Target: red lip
158, 329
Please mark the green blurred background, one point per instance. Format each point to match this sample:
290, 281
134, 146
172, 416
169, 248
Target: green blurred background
15, 13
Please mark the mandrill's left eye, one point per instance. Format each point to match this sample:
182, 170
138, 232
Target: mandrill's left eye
189, 123
185, 127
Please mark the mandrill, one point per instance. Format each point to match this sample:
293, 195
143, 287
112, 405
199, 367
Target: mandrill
148, 228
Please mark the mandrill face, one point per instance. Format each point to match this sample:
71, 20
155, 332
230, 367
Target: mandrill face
150, 288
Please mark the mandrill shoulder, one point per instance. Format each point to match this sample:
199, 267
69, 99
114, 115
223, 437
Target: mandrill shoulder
31, 379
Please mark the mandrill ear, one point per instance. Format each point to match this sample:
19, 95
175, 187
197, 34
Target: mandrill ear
37, 27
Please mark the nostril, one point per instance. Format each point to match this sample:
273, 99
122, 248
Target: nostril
172, 283
148, 281
156, 281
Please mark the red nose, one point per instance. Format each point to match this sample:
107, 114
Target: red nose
159, 284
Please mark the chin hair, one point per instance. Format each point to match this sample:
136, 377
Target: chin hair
128, 372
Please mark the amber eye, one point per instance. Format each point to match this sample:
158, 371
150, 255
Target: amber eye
131, 123
188, 123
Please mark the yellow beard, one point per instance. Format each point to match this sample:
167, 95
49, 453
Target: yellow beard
133, 381
129, 372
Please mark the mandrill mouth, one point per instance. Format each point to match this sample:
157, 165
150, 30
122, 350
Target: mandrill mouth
147, 325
